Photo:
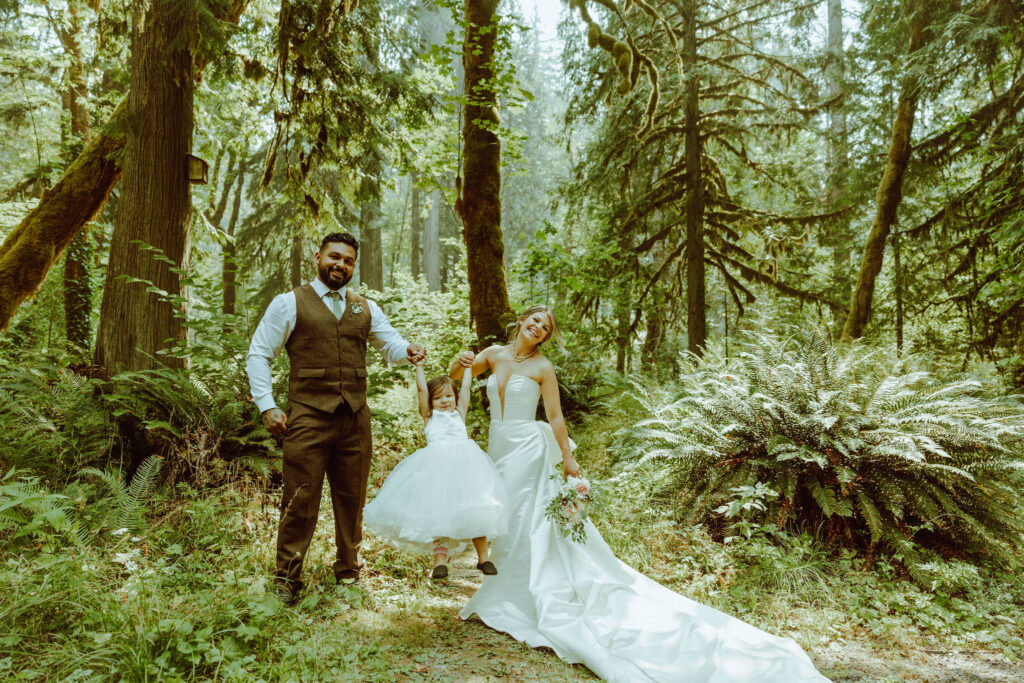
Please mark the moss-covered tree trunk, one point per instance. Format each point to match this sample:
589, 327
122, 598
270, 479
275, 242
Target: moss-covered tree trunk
432, 243
480, 200
32, 248
297, 260
696, 320
890, 188
371, 254
155, 204
838, 164
229, 268
77, 280
415, 226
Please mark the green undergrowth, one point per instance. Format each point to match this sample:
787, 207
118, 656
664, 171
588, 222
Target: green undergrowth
790, 582
96, 591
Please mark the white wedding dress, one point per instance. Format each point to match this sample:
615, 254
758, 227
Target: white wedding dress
586, 605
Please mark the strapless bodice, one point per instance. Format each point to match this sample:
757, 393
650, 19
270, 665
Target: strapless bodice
445, 426
521, 396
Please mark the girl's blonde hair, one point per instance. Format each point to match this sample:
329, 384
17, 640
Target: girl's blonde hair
435, 386
514, 327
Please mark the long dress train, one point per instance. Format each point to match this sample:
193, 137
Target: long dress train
586, 605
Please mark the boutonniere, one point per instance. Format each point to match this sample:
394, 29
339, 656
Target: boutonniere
357, 308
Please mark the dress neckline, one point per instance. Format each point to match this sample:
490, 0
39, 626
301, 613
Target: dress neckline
501, 390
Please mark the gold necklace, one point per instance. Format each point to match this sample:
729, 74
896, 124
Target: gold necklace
516, 357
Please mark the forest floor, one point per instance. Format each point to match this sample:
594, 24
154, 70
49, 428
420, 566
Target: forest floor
421, 621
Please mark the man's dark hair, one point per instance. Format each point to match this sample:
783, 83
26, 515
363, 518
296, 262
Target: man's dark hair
342, 237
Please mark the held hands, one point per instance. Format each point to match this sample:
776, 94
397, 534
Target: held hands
466, 359
275, 421
570, 468
416, 354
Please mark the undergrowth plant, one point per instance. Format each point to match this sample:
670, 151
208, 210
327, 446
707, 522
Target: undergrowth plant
127, 500
54, 421
857, 444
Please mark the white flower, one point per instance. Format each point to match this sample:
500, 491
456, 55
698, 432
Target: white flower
119, 532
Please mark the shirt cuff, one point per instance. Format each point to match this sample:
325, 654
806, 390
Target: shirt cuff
264, 403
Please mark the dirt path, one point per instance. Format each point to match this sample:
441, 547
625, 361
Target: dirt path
444, 648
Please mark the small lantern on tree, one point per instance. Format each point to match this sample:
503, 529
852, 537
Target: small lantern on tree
197, 170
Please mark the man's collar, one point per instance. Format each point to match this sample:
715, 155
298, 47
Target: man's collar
320, 288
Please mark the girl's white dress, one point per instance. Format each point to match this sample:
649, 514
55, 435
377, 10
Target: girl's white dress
448, 489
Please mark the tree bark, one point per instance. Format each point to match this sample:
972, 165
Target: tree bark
77, 282
156, 202
32, 248
216, 213
371, 256
835, 72
229, 268
480, 200
696, 320
432, 243
655, 334
890, 188
297, 259
415, 227
624, 336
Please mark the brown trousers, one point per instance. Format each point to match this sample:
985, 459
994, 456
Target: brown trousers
337, 444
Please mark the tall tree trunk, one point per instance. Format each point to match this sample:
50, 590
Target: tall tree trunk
432, 243
624, 336
32, 248
297, 260
229, 267
156, 201
655, 333
415, 226
77, 281
216, 213
890, 189
838, 167
480, 200
696, 321
371, 256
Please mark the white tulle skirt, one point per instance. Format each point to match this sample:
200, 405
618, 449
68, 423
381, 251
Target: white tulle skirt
448, 489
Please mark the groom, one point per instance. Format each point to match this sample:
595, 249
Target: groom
324, 326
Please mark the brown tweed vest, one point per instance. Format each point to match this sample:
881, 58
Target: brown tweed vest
328, 356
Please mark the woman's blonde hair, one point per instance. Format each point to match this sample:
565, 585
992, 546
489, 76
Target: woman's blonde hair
514, 327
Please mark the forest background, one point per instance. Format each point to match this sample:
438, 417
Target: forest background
784, 242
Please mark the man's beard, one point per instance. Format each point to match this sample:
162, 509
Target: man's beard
337, 282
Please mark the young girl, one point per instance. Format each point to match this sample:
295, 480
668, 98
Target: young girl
446, 490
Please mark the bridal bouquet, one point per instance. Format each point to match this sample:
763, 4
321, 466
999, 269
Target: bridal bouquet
567, 510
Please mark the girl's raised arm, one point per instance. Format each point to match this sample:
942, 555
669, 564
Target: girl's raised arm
421, 390
477, 363
465, 394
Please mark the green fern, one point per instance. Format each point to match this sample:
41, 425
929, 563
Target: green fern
29, 513
847, 435
128, 500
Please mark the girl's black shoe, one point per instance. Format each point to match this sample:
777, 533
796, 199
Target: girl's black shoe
440, 572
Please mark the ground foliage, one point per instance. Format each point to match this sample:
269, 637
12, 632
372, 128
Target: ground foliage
184, 594
853, 442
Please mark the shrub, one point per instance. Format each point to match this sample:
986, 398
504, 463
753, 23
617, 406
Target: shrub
855, 442
54, 421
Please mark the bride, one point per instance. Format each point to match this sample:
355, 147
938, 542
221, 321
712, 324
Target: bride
578, 598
